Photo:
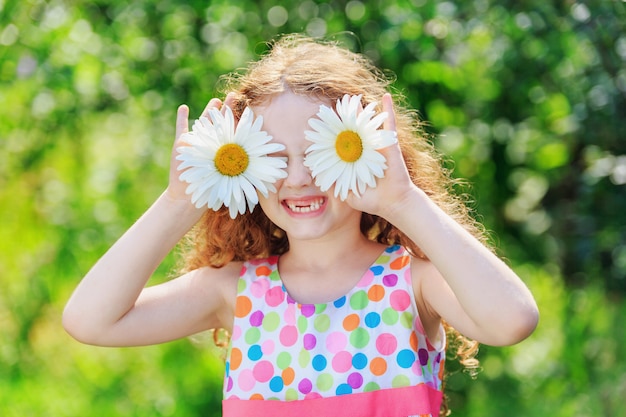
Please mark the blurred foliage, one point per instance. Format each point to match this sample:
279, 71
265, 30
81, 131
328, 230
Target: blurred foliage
527, 99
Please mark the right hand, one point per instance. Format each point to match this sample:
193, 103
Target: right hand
176, 188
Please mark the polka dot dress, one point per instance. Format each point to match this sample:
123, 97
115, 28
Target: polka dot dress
368, 343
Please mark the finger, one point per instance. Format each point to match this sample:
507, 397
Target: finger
182, 120
229, 101
390, 122
214, 103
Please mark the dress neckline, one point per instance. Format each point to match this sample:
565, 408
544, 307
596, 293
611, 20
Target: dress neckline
387, 251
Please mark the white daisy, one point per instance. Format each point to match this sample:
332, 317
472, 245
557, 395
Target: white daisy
224, 165
344, 150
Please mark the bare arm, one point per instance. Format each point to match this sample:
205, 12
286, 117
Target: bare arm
111, 306
469, 286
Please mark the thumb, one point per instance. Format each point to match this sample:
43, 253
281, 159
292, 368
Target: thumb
390, 122
182, 121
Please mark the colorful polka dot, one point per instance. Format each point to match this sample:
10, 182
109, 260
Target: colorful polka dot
253, 334
378, 366
256, 318
319, 362
372, 320
376, 293
310, 341
386, 344
276, 384
384, 259
303, 324
342, 361
340, 302
390, 316
359, 300
406, 320
336, 342
359, 361
400, 381
271, 321
351, 322
413, 341
288, 335
359, 338
400, 300
377, 270
304, 358
406, 358
268, 347
274, 296
288, 375
417, 325
259, 287
241, 284
263, 371
255, 353
263, 271
274, 276
236, 334
246, 380
355, 380
235, 358
307, 310
243, 305
291, 394
371, 386
390, 280
283, 360
343, 389
400, 262
367, 279
322, 323
305, 386
417, 369
289, 316
324, 382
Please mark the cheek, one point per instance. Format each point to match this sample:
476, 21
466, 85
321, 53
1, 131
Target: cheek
266, 203
342, 208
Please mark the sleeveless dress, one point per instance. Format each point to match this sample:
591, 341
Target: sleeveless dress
364, 354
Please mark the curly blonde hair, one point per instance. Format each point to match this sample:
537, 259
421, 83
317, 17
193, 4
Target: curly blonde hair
327, 72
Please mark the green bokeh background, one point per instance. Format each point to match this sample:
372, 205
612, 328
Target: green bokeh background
526, 98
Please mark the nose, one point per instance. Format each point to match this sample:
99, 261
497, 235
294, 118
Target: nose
298, 175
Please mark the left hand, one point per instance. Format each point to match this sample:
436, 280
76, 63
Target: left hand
395, 185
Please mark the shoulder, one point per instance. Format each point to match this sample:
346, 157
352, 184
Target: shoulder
211, 273
220, 286
222, 279
422, 269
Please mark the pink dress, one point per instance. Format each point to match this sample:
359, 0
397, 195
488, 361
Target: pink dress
365, 354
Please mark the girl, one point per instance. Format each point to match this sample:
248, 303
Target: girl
338, 288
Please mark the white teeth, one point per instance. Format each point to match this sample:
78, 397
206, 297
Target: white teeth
313, 206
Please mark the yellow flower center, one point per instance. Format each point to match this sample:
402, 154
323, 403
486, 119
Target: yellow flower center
349, 146
231, 160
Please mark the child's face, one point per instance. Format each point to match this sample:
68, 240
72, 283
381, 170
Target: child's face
298, 206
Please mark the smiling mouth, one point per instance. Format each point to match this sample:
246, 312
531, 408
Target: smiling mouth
307, 206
